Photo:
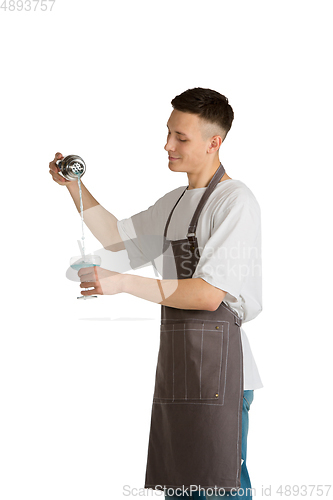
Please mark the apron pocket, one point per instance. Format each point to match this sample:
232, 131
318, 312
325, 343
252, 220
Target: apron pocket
192, 361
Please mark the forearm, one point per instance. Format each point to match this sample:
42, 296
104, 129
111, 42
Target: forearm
100, 222
87, 198
193, 293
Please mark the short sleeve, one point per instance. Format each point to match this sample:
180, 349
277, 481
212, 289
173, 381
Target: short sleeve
232, 255
142, 236
143, 233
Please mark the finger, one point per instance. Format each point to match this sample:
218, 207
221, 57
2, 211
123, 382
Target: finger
53, 167
55, 174
84, 274
90, 272
88, 292
57, 177
94, 291
58, 156
89, 284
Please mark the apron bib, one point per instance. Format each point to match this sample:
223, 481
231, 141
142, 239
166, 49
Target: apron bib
196, 420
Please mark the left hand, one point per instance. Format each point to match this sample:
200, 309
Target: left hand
104, 282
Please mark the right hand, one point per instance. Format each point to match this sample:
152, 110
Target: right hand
54, 171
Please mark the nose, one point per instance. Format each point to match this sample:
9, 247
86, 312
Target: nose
169, 145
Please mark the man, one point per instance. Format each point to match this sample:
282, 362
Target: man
208, 235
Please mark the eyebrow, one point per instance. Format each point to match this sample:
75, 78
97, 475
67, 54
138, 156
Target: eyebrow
180, 133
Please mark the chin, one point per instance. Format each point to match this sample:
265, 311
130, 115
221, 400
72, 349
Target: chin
174, 165
173, 168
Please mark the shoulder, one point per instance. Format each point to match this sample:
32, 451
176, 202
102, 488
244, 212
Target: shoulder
172, 195
158, 211
168, 200
234, 193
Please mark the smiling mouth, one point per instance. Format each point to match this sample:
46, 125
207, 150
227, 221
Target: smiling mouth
173, 158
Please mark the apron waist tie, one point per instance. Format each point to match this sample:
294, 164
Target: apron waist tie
238, 321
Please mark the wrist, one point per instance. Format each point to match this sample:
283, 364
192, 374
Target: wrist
72, 185
125, 280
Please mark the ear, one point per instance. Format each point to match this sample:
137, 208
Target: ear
214, 144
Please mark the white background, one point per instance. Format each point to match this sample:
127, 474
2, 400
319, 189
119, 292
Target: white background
96, 79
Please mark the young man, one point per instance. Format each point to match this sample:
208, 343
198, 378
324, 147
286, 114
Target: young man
205, 240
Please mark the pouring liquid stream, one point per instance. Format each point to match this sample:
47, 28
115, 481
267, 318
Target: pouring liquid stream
86, 260
81, 210
69, 166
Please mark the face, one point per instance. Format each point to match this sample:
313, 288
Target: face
186, 144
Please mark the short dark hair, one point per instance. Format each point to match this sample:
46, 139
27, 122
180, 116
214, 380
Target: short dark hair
208, 104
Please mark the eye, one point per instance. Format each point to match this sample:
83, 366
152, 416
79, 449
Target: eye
182, 140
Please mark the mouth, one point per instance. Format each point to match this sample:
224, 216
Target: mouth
173, 158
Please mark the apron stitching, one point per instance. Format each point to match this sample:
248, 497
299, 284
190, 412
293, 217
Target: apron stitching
192, 329
188, 402
219, 386
193, 320
185, 361
240, 402
201, 357
173, 367
226, 365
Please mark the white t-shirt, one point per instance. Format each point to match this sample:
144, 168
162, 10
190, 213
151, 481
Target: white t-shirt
229, 240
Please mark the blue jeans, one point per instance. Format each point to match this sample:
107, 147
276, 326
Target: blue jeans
245, 491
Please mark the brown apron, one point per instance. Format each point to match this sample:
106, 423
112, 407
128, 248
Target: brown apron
196, 421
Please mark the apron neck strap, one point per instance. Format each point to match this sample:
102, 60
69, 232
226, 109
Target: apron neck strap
170, 215
210, 188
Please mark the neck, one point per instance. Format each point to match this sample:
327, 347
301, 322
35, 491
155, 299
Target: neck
202, 179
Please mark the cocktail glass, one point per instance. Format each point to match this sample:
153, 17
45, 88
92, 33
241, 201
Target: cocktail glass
79, 262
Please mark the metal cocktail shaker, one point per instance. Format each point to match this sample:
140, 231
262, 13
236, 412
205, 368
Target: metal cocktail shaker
72, 167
